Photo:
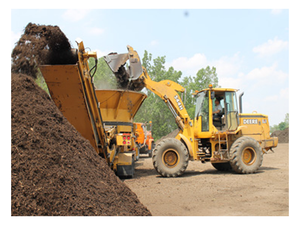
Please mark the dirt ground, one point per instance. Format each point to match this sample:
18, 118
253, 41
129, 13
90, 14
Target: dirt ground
204, 191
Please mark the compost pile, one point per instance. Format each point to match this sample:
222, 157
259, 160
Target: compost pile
283, 135
54, 170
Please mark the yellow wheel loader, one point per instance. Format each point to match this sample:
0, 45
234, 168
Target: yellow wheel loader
227, 138
104, 117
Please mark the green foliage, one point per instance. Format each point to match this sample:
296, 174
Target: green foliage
281, 125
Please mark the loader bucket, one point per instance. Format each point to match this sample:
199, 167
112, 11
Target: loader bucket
116, 61
119, 105
66, 89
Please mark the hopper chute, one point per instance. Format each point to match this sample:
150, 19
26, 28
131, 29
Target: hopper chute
119, 105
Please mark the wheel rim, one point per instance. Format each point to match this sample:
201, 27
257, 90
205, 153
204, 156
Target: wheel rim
249, 156
170, 158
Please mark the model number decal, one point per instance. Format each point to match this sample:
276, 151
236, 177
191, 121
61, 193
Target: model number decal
250, 121
178, 102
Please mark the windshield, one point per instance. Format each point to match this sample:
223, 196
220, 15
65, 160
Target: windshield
199, 103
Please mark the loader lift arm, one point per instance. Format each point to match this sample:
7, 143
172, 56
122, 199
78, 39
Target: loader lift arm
167, 90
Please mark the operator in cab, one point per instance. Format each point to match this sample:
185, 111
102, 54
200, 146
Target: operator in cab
218, 109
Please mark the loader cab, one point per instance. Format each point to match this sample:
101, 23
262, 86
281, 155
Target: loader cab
226, 119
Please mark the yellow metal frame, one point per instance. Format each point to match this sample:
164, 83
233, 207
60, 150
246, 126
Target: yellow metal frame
72, 90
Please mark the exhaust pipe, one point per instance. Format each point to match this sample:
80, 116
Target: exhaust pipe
240, 102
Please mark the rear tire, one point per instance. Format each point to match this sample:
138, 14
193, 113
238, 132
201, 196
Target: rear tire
246, 155
170, 158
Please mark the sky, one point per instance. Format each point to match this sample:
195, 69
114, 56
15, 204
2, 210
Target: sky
248, 47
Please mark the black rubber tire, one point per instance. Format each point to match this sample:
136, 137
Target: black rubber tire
222, 166
178, 154
239, 159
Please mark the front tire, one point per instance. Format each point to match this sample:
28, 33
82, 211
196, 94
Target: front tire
246, 155
170, 158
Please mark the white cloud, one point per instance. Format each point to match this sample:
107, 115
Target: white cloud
189, 66
267, 74
227, 66
96, 31
276, 11
154, 42
230, 82
74, 15
271, 98
271, 47
284, 93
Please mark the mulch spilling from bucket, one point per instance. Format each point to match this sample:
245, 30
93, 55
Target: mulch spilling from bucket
41, 44
54, 170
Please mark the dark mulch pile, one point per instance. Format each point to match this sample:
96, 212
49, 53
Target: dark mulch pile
283, 135
54, 170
